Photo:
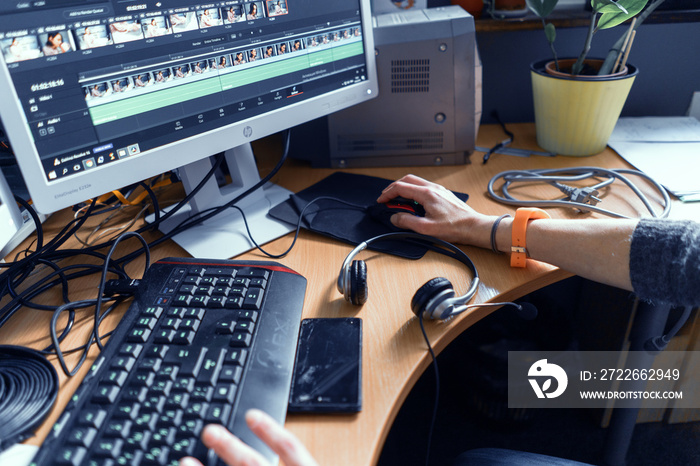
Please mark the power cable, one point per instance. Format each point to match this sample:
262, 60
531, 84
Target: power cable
583, 199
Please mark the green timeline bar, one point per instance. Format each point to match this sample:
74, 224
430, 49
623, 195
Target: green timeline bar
152, 101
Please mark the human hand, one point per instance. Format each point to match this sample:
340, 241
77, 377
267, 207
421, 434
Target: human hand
446, 216
236, 453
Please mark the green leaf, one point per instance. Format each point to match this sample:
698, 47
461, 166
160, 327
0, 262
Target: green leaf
542, 8
632, 7
550, 32
607, 6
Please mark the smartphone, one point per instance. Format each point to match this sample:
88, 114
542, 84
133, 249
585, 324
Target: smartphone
328, 368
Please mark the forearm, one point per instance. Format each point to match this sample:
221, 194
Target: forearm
595, 249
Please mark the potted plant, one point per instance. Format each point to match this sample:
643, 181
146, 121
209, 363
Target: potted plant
578, 100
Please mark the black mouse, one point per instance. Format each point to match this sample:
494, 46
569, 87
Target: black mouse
383, 212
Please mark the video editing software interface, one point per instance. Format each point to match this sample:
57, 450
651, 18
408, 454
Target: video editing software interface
104, 80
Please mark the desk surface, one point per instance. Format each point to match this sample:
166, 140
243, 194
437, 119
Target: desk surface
394, 353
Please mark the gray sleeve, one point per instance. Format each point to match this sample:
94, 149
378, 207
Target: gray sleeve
665, 261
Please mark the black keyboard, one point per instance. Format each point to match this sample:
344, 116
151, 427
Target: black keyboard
202, 342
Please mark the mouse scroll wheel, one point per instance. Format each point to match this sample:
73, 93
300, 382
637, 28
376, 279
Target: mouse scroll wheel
405, 207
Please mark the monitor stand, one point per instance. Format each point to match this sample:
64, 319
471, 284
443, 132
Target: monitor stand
224, 235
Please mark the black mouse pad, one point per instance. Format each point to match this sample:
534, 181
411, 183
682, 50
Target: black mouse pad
348, 223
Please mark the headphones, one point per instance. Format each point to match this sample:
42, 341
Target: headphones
434, 300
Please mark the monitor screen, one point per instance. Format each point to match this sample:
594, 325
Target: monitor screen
100, 94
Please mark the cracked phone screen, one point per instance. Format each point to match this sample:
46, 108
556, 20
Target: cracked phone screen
327, 371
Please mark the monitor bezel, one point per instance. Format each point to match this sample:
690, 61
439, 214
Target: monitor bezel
49, 197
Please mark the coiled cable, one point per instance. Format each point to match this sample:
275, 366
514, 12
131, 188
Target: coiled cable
28, 390
584, 199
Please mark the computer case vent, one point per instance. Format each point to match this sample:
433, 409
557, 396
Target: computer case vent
410, 76
389, 142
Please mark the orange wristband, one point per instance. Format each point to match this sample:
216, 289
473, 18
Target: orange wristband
519, 233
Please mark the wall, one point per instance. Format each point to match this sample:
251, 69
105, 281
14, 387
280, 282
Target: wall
666, 54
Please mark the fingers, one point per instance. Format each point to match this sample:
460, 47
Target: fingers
291, 451
229, 448
187, 461
410, 186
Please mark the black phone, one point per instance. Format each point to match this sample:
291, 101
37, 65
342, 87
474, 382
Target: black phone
328, 368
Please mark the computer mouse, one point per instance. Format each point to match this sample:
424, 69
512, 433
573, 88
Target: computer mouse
383, 212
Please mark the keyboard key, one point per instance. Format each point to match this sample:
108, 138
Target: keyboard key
108, 448
71, 456
231, 374
92, 418
138, 440
225, 393
138, 335
131, 350
126, 411
135, 394
146, 322
241, 340
156, 456
129, 458
211, 368
117, 429
253, 298
188, 359
236, 357
225, 328
190, 428
247, 315
152, 311
105, 395
218, 413
258, 282
82, 437
192, 280
245, 326
194, 313
184, 337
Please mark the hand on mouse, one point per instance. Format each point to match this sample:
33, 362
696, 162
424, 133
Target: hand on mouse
446, 216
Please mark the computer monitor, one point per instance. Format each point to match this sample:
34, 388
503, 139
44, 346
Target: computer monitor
100, 94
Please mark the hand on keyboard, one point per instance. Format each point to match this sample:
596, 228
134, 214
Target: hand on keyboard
234, 452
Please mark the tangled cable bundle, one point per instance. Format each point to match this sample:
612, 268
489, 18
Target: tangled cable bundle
28, 389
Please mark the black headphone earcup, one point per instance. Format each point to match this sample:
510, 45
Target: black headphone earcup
358, 283
427, 292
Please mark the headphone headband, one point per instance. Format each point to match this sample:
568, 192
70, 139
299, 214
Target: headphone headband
436, 308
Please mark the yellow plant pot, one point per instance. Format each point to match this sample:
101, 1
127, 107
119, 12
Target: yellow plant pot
575, 115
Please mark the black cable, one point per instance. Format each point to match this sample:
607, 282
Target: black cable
298, 228
97, 302
437, 390
209, 213
28, 390
103, 279
502, 144
35, 219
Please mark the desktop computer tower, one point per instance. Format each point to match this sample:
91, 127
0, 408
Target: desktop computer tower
429, 104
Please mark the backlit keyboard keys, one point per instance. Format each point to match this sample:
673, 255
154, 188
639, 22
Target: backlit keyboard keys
241, 340
253, 298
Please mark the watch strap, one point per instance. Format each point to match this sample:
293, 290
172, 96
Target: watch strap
518, 247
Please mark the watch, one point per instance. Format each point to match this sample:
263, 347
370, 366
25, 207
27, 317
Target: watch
518, 247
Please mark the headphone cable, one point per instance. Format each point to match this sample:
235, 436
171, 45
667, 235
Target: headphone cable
437, 390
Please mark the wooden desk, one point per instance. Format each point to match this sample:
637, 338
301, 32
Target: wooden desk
394, 353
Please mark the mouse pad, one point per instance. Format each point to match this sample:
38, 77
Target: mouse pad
348, 223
